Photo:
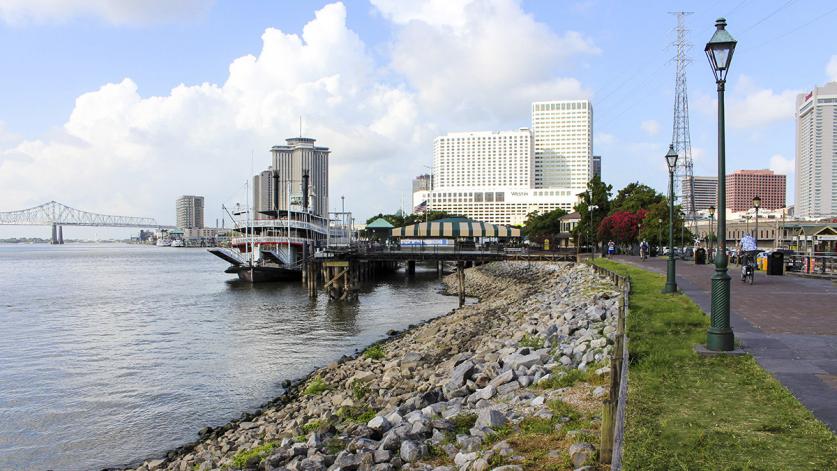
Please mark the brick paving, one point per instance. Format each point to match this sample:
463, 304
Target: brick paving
788, 323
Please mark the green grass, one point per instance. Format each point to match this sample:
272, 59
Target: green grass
241, 458
316, 386
375, 352
686, 412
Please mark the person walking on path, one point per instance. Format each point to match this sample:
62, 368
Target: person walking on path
611, 249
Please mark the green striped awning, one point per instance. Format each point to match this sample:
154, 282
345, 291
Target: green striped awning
456, 229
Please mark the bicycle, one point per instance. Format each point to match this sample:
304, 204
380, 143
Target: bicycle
748, 267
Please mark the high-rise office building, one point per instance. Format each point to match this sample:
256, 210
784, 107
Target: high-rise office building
298, 157
816, 153
189, 212
422, 185
706, 192
263, 191
563, 132
744, 185
597, 166
489, 176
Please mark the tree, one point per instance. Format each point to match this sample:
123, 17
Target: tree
599, 193
655, 226
540, 226
634, 197
621, 226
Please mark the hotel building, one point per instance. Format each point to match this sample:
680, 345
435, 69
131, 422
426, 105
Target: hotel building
816, 153
489, 176
744, 185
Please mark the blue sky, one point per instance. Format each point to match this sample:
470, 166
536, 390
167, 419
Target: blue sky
91, 113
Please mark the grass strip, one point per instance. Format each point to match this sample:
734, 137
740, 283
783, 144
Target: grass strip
718, 413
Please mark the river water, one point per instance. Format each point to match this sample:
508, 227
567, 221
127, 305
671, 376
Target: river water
110, 354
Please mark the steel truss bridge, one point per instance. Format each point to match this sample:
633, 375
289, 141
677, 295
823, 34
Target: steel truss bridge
57, 215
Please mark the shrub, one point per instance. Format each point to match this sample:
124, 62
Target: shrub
375, 352
316, 386
533, 342
242, 457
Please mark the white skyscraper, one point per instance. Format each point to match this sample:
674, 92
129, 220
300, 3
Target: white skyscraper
483, 159
563, 132
489, 176
816, 152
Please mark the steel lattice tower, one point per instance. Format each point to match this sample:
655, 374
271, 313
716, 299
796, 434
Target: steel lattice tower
680, 137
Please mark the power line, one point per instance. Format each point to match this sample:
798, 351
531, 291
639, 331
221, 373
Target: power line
769, 15
791, 31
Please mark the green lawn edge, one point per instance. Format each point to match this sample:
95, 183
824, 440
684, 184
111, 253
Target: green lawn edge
687, 412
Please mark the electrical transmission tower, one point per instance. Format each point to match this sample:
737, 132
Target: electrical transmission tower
680, 137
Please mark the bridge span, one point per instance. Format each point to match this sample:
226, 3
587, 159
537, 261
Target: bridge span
58, 215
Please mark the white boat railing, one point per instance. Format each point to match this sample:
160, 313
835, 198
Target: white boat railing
282, 224
268, 240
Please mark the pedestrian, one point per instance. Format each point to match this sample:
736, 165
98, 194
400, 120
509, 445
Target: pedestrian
611, 249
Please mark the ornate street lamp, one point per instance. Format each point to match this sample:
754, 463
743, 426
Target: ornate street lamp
719, 337
671, 283
659, 235
592, 208
711, 234
757, 204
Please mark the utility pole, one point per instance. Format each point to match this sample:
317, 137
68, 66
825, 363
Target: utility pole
680, 135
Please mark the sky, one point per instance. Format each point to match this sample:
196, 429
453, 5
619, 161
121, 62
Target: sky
120, 107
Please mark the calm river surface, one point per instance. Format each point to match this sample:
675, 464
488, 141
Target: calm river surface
110, 354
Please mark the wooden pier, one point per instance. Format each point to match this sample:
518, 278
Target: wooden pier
340, 272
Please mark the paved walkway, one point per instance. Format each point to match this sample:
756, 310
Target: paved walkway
788, 323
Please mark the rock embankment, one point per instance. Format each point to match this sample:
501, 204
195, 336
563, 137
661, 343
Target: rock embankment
504, 384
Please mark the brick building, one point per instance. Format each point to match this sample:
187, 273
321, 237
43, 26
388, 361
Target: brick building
743, 185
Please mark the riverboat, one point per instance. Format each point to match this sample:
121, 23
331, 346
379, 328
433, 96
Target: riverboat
272, 245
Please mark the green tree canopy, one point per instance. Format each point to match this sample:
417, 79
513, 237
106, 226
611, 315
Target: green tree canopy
597, 194
655, 226
540, 226
635, 196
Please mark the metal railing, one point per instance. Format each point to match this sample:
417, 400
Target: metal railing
613, 410
823, 264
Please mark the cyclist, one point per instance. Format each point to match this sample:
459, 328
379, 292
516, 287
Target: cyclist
643, 249
747, 251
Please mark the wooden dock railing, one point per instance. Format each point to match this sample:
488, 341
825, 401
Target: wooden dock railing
613, 413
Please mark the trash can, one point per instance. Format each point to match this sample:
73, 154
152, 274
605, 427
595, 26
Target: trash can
700, 256
776, 264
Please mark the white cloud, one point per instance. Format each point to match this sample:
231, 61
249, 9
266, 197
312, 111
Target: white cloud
781, 165
650, 126
748, 106
480, 60
120, 152
831, 69
112, 11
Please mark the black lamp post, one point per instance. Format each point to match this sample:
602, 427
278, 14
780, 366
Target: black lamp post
757, 204
719, 337
659, 235
592, 208
711, 234
671, 283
